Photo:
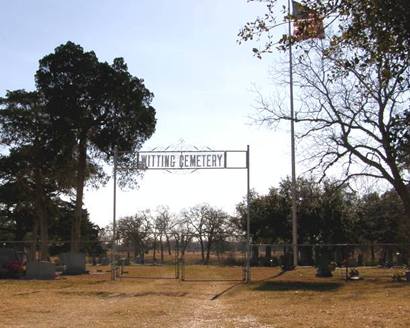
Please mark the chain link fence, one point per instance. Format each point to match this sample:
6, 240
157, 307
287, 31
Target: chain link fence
222, 260
197, 259
349, 261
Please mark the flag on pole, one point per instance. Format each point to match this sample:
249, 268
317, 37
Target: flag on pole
307, 23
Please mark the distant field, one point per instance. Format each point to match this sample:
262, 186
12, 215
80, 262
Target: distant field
291, 299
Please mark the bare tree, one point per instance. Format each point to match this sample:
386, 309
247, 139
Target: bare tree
209, 225
163, 225
196, 217
183, 232
349, 115
215, 228
135, 230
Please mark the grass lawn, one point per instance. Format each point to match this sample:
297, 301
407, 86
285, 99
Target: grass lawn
292, 299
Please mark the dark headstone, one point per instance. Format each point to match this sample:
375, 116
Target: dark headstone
105, 261
254, 255
10, 264
6, 255
73, 262
41, 270
268, 252
324, 268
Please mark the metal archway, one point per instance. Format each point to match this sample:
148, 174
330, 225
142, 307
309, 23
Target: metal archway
193, 160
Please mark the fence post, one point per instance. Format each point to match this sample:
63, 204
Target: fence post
177, 265
182, 276
247, 268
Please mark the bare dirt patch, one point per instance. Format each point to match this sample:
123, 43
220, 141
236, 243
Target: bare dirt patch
293, 299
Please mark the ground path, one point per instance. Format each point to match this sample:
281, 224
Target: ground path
95, 301
292, 300
210, 310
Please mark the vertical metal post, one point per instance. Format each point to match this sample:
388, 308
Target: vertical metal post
182, 273
248, 220
177, 264
114, 217
292, 136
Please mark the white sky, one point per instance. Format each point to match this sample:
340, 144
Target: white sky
187, 53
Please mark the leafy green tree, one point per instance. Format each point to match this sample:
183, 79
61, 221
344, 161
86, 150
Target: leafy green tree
16, 206
375, 26
401, 138
81, 111
269, 217
382, 218
95, 107
19, 218
35, 169
59, 228
382, 221
326, 213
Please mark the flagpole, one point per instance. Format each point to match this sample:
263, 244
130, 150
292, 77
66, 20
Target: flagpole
292, 137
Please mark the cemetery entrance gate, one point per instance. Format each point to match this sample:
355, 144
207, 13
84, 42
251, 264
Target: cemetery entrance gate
175, 160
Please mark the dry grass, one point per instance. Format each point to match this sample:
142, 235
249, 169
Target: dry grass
292, 299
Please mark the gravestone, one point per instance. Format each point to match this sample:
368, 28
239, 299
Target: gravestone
41, 270
268, 252
324, 267
6, 255
105, 261
74, 262
254, 255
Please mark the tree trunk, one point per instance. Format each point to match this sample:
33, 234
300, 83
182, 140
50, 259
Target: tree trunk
33, 251
306, 256
208, 251
43, 239
41, 213
76, 225
161, 247
399, 185
128, 251
20, 231
142, 254
372, 253
154, 256
182, 245
136, 251
404, 194
168, 244
202, 249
